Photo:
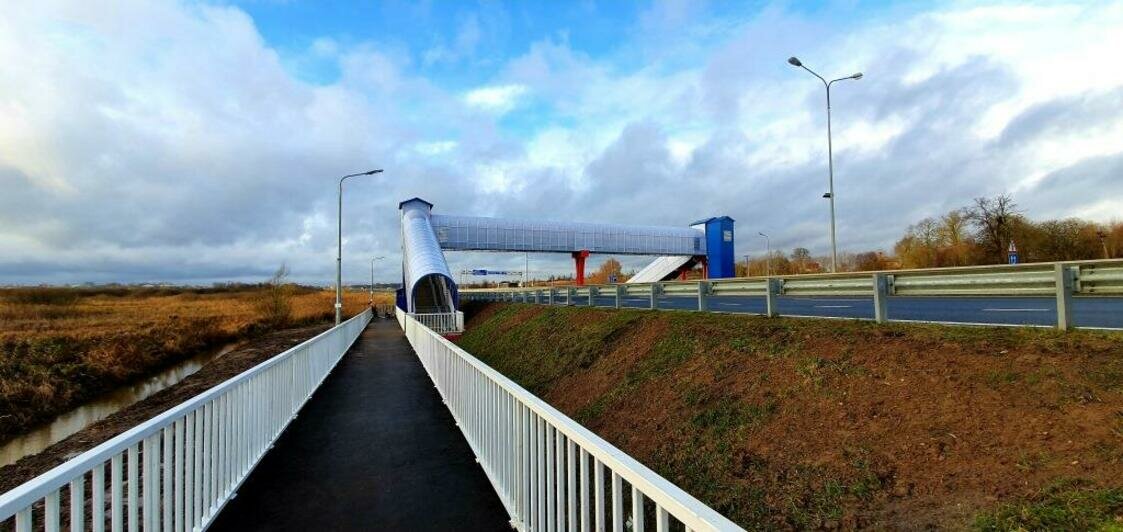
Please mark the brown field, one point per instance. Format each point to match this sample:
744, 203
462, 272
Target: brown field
60, 347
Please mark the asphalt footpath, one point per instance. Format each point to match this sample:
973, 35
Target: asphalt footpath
374, 449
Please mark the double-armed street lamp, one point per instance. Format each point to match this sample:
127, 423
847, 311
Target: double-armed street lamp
830, 155
339, 248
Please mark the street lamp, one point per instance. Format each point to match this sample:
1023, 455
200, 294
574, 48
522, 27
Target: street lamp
830, 152
372, 279
339, 248
768, 254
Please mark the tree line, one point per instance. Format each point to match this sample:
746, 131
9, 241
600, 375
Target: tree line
976, 234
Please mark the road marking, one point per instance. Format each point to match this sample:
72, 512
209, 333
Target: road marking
834, 306
729, 304
1015, 310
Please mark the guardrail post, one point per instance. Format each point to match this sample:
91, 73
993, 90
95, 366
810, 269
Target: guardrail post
537, 297
570, 293
771, 292
1065, 281
703, 294
655, 295
619, 294
550, 297
880, 297
592, 294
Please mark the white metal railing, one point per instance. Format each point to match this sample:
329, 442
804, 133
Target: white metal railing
177, 470
550, 472
1060, 280
443, 322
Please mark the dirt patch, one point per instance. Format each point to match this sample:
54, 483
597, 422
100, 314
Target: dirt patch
213, 373
786, 423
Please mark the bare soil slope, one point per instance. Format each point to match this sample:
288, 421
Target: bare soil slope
786, 423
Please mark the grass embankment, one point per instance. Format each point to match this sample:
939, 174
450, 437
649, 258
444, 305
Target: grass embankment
60, 347
788, 423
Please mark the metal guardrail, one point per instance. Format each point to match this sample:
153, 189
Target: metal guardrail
444, 323
177, 470
549, 471
1061, 280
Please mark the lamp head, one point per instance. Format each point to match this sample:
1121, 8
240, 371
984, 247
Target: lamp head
372, 172
794, 61
856, 76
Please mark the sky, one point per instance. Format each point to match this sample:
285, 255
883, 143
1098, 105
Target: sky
193, 142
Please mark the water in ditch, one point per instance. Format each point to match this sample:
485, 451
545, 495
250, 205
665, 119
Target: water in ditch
81, 417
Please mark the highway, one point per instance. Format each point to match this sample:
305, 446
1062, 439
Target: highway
1094, 312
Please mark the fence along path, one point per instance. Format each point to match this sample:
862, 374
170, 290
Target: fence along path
178, 470
550, 472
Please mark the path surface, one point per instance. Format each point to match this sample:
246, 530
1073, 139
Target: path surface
374, 449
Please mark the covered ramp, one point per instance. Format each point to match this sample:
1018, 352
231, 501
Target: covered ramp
427, 284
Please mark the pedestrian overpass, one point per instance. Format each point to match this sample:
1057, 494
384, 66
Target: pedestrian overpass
428, 286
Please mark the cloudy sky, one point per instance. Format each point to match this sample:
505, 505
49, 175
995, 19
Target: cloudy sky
201, 141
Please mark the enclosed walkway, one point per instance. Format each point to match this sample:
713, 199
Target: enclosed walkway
374, 449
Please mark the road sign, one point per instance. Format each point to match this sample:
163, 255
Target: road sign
1012, 253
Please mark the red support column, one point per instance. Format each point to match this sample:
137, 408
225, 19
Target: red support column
579, 260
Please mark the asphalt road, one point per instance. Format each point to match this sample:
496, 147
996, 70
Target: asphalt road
1098, 312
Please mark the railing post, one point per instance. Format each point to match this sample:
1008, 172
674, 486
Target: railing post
771, 293
570, 293
703, 295
537, 297
1064, 280
880, 297
550, 297
655, 288
592, 295
619, 294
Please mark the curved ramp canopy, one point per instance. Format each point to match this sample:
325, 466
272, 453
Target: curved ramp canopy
429, 287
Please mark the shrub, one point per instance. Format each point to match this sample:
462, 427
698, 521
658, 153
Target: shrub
274, 301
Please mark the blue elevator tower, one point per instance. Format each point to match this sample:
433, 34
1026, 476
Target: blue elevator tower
720, 256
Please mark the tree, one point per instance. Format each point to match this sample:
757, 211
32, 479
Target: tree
993, 218
607, 269
800, 258
274, 303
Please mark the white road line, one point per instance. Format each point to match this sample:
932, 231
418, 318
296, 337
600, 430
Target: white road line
834, 306
729, 304
1015, 310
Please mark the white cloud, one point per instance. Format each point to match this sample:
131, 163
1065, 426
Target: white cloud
496, 99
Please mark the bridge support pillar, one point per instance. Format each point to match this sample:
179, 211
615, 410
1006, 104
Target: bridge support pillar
880, 297
579, 261
1065, 283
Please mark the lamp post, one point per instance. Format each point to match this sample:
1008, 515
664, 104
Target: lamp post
339, 248
830, 151
767, 255
372, 279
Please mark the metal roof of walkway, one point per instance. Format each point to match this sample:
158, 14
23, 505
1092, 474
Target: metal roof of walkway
374, 449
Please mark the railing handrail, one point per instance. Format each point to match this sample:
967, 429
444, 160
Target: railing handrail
950, 270
654, 486
54, 479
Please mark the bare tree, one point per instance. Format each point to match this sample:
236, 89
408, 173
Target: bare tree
993, 218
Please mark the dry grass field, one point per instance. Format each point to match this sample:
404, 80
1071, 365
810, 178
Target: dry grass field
60, 347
